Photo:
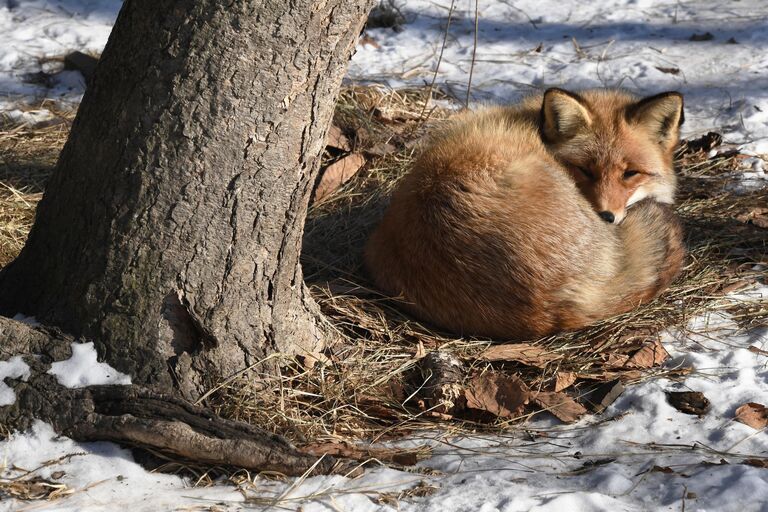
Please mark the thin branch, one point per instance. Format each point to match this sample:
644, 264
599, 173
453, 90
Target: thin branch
439, 60
474, 52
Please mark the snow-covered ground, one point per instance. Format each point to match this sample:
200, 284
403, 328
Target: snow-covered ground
641, 454
644, 45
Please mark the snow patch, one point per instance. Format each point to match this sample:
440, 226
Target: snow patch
83, 369
29, 320
750, 177
102, 475
14, 368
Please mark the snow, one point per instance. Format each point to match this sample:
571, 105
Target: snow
14, 368
602, 463
590, 44
104, 476
29, 320
82, 369
36, 34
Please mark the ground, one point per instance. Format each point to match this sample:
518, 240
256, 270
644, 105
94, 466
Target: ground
641, 453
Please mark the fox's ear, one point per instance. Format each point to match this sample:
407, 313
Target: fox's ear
661, 116
563, 115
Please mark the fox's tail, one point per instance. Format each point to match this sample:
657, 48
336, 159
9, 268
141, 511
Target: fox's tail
653, 252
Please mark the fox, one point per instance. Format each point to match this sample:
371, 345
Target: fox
525, 220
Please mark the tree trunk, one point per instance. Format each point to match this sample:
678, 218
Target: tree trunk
170, 230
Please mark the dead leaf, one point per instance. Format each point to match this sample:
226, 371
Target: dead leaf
394, 115
756, 216
338, 173
337, 139
82, 62
757, 350
736, 286
560, 405
520, 352
662, 469
650, 355
504, 396
381, 149
758, 463
706, 36
753, 414
704, 143
589, 466
311, 359
688, 402
669, 71
616, 360
564, 380
368, 40
603, 395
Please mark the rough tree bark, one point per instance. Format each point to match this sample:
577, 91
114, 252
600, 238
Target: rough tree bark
170, 231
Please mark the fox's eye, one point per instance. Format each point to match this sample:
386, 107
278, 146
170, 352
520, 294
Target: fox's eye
629, 174
586, 172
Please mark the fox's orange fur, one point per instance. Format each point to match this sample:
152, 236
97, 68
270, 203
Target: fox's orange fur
497, 229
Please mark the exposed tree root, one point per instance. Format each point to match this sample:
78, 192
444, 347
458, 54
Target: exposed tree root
135, 415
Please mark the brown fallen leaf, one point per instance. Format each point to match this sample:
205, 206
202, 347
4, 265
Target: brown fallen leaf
704, 143
616, 360
338, 173
756, 216
380, 149
564, 380
650, 355
310, 359
368, 40
706, 36
753, 414
758, 351
504, 396
669, 71
758, 463
603, 395
736, 286
688, 402
560, 405
394, 115
520, 352
336, 139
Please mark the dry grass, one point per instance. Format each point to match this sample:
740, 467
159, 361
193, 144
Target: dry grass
27, 156
359, 387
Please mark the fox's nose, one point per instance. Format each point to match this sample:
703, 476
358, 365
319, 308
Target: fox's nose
607, 216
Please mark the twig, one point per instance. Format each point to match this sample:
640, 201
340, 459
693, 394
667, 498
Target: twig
439, 60
474, 52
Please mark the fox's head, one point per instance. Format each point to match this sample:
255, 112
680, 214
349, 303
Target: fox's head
617, 147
